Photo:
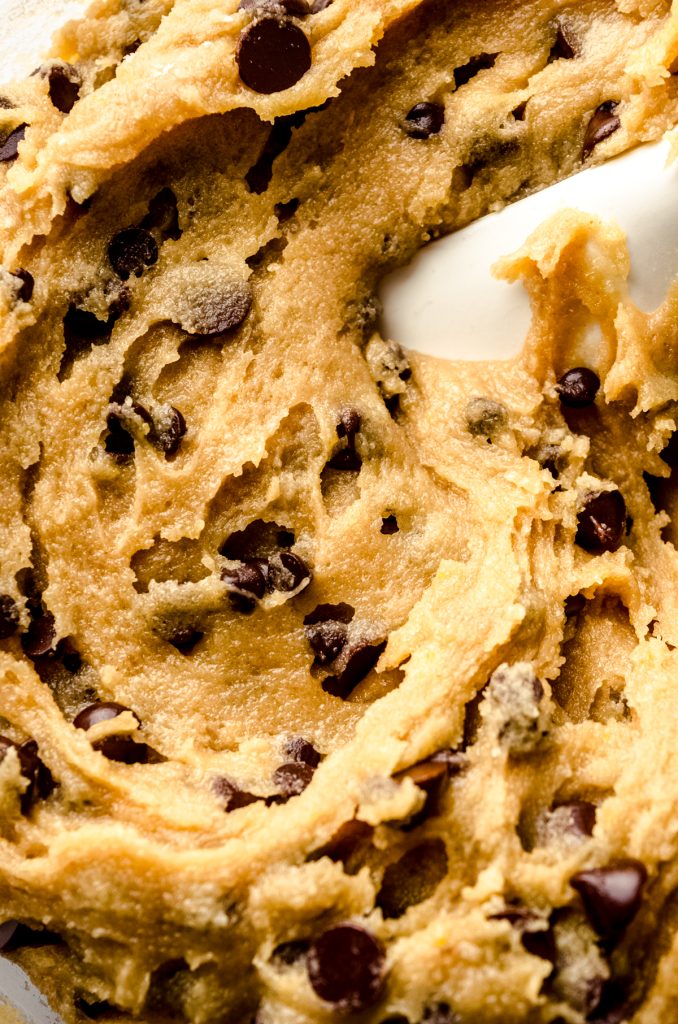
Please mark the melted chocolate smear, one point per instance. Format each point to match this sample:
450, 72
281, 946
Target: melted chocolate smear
361, 661
346, 967
9, 150
273, 54
482, 62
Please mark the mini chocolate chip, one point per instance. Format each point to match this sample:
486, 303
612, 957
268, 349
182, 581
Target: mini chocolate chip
611, 895
327, 640
564, 46
362, 659
349, 839
577, 816
299, 749
389, 525
100, 711
346, 968
185, 639
163, 215
9, 616
36, 771
25, 290
211, 311
485, 418
346, 460
413, 878
40, 635
9, 150
293, 778
233, 797
482, 62
131, 251
578, 387
604, 122
289, 953
601, 522
169, 430
273, 55
424, 120
288, 571
64, 86
246, 581
7, 931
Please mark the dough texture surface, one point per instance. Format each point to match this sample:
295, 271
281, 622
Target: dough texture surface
337, 681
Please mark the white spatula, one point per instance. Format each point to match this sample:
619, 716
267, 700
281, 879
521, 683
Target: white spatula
447, 303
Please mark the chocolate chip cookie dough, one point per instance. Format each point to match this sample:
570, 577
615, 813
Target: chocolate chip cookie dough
337, 680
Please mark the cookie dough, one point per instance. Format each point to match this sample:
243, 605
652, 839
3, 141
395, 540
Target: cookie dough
338, 681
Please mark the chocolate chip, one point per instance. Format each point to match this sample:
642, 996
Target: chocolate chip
350, 423
413, 878
211, 311
131, 251
604, 122
346, 968
564, 46
233, 797
25, 289
601, 522
578, 387
288, 572
424, 120
577, 817
432, 777
185, 639
9, 150
7, 930
33, 769
485, 418
169, 430
293, 778
612, 895
299, 749
289, 953
64, 86
40, 635
361, 660
349, 839
389, 525
482, 62
125, 750
273, 55
163, 215
327, 640
100, 711
9, 616
245, 582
